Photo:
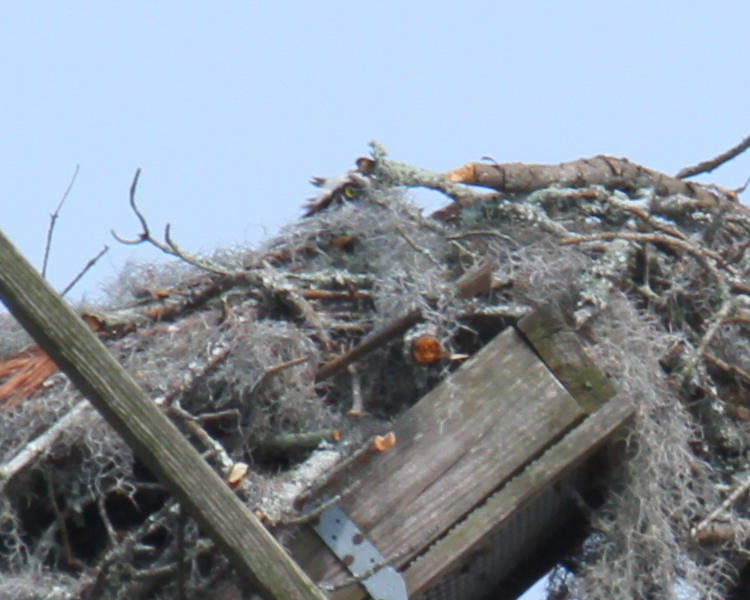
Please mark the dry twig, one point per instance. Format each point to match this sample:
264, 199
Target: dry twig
296, 441
53, 220
722, 508
92, 261
719, 317
168, 246
370, 343
273, 370
41, 444
701, 254
709, 165
376, 445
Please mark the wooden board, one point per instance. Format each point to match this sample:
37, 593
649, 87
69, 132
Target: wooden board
503, 530
561, 350
455, 447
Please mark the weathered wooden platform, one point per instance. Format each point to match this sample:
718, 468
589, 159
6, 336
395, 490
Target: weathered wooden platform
479, 474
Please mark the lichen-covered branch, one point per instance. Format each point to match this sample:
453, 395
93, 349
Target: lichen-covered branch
610, 172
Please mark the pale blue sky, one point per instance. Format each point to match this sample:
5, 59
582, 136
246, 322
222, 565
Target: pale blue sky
229, 107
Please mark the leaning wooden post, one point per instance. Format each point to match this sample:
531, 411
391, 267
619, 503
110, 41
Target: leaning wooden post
155, 439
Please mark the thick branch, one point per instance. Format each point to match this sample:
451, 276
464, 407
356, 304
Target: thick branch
608, 171
395, 173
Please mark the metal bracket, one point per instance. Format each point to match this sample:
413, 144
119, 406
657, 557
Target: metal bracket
359, 555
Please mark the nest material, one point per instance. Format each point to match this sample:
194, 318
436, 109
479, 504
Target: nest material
262, 359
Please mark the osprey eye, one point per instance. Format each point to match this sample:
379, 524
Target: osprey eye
350, 192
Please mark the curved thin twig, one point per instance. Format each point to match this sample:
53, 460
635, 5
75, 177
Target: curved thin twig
709, 165
169, 246
53, 219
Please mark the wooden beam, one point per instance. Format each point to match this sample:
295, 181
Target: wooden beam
561, 350
157, 442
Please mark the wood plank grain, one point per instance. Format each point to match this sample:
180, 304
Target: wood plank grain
556, 463
456, 446
561, 350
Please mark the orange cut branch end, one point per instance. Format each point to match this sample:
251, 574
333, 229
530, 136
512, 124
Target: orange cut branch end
465, 174
381, 443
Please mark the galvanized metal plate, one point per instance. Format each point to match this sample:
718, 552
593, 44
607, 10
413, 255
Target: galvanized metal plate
359, 555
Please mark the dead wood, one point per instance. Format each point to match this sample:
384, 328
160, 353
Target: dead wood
370, 343
53, 220
85, 269
607, 171
707, 166
168, 246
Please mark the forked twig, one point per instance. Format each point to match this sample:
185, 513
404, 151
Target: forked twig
168, 246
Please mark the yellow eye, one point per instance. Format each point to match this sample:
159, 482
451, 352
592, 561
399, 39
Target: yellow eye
350, 192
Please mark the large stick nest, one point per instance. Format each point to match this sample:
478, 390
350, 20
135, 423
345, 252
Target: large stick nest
262, 356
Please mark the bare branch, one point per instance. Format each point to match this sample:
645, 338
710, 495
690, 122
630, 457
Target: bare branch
62, 528
214, 447
83, 271
41, 444
732, 369
271, 371
53, 220
374, 446
358, 402
182, 568
423, 251
723, 507
168, 246
133, 187
101, 505
709, 165
607, 171
189, 383
371, 342
743, 187
175, 250
401, 174
701, 254
305, 440
484, 232
718, 318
